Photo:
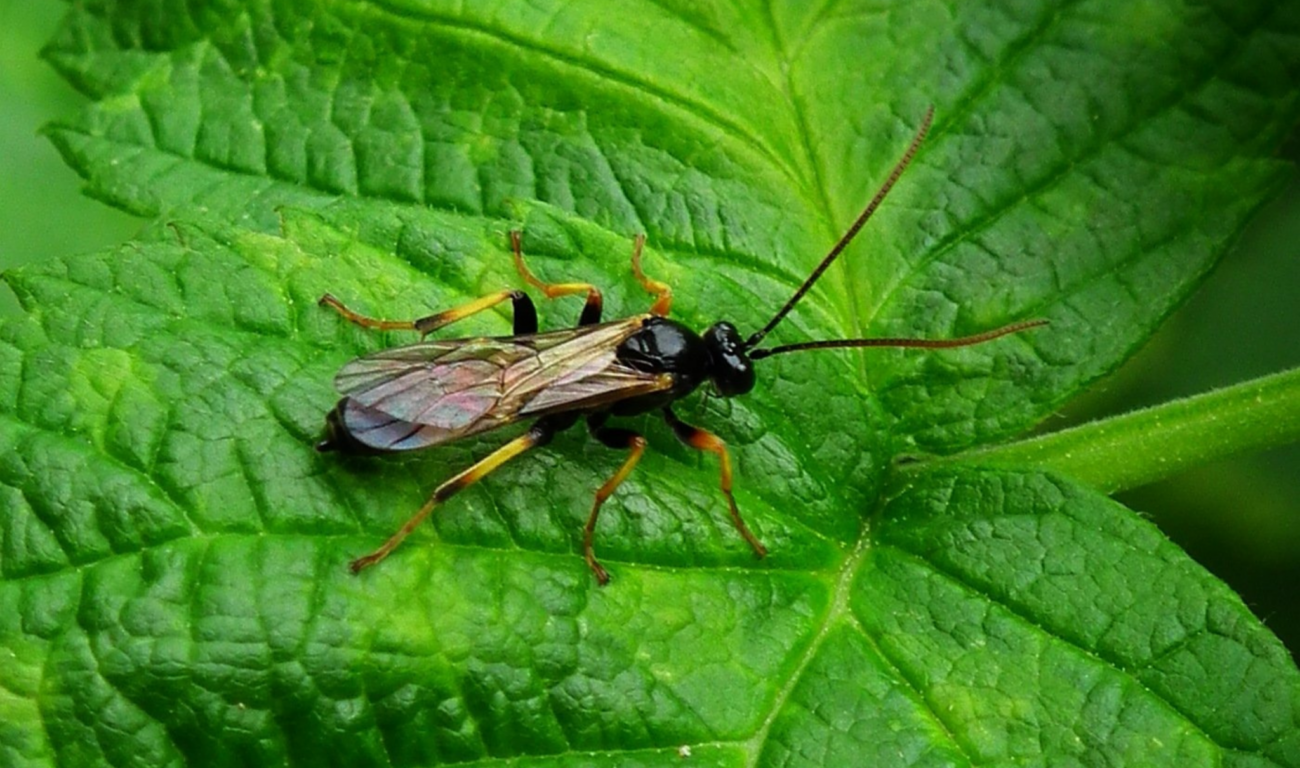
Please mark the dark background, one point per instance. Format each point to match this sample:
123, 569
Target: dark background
1239, 518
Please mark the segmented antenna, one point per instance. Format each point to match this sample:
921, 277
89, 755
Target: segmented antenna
964, 341
848, 236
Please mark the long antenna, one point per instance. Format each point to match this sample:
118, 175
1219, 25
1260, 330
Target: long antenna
964, 341
852, 232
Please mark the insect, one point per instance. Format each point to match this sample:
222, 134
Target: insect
432, 392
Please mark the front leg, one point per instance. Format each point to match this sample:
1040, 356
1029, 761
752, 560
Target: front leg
703, 440
662, 291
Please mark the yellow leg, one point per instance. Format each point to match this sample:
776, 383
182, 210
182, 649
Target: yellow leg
636, 445
447, 490
662, 291
428, 324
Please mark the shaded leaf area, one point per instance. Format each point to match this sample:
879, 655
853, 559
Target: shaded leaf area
175, 588
1089, 163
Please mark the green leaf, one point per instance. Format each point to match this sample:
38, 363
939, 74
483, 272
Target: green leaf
1024, 201
173, 552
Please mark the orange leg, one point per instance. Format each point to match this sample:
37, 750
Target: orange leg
590, 311
703, 440
662, 292
614, 438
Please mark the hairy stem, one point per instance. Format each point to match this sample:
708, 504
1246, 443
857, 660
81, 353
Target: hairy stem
1141, 447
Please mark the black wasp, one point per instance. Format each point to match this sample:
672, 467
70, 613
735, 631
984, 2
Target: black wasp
433, 392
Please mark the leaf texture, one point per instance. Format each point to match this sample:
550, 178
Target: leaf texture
173, 587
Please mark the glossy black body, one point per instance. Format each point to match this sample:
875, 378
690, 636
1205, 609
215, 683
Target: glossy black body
666, 346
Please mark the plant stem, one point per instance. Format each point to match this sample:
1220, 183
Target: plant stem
1156, 443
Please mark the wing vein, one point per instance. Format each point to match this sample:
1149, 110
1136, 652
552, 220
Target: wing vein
433, 392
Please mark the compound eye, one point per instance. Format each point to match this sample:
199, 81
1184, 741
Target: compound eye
731, 369
736, 379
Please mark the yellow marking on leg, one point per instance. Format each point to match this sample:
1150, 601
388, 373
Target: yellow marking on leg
662, 291
427, 325
445, 491
707, 441
550, 290
637, 447
328, 300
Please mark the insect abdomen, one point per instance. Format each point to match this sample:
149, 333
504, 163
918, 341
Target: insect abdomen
353, 428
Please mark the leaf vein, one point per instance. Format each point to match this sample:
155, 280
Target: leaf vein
691, 107
1093, 654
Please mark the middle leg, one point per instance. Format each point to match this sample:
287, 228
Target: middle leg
617, 439
590, 310
662, 291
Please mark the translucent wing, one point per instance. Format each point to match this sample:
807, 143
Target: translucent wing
432, 392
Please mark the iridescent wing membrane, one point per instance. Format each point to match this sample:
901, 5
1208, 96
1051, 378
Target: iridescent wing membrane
424, 394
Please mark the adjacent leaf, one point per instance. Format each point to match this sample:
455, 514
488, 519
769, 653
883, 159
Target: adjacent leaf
1013, 618
173, 550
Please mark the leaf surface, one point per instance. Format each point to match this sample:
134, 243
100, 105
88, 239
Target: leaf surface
174, 583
